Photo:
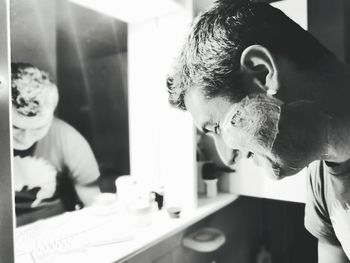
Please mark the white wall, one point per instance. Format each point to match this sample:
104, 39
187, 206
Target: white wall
295, 9
162, 148
33, 33
251, 180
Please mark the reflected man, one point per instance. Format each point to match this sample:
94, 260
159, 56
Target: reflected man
54, 167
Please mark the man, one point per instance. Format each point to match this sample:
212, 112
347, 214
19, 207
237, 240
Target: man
50, 155
256, 81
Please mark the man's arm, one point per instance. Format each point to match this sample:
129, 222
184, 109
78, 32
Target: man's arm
328, 253
81, 163
87, 192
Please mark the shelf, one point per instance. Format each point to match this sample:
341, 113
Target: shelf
161, 228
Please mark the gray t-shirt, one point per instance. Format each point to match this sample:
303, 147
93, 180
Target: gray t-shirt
44, 175
327, 211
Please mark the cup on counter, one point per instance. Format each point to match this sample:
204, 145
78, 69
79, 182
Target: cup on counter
174, 211
136, 201
126, 190
211, 187
210, 178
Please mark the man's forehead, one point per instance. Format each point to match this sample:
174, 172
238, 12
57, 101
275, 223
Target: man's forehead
205, 111
198, 106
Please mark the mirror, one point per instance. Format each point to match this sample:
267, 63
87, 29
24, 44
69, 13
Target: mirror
85, 54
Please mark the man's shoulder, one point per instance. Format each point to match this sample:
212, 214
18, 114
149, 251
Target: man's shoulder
58, 123
315, 172
321, 171
61, 134
316, 177
61, 128
329, 181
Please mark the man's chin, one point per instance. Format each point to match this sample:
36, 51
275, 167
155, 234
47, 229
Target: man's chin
275, 170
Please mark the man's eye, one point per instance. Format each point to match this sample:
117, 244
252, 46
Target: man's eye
217, 129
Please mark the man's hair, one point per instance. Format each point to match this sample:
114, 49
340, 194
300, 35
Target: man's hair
33, 93
210, 57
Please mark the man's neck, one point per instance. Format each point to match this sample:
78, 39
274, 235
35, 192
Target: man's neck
325, 85
328, 88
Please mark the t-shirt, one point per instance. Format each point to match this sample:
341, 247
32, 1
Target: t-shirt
327, 211
45, 174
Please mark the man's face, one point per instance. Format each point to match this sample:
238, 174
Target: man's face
252, 130
29, 130
284, 138
207, 116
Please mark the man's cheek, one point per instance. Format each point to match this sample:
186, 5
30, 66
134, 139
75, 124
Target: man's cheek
302, 129
252, 125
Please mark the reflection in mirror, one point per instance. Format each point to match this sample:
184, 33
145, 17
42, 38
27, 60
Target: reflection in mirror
62, 152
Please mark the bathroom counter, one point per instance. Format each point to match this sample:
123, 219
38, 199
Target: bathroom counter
132, 241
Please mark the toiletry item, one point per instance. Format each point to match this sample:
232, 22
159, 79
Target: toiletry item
211, 187
159, 197
126, 190
210, 171
174, 211
210, 178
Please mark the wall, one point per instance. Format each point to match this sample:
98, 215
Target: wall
162, 146
327, 22
33, 33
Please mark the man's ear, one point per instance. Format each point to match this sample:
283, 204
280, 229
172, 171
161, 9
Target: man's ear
258, 64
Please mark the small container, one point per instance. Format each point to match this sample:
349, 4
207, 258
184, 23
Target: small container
174, 211
126, 190
211, 187
159, 197
210, 178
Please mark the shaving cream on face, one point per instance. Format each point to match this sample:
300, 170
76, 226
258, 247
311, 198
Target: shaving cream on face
252, 125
